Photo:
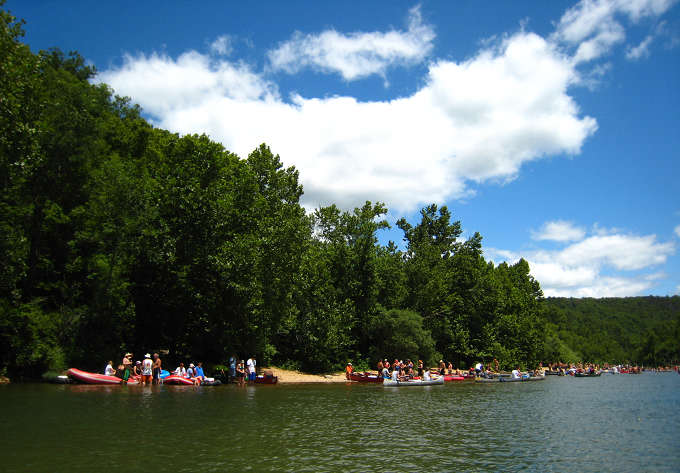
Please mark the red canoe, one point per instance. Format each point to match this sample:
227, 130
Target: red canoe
365, 378
448, 378
174, 379
95, 378
266, 379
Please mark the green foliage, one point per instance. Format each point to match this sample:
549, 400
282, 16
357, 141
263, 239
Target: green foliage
642, 330
121, 237
400, 334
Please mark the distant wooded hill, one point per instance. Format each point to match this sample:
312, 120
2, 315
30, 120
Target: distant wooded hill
643, 330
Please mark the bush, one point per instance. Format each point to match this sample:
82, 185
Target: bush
400, 334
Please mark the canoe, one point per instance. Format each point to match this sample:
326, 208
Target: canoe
266, 379
365, 378
174, 379
523, 379
95, 378
449, 378
413, 382
60, 379
211, 382
586, 375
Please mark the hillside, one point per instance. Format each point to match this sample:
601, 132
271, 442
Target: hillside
637, 329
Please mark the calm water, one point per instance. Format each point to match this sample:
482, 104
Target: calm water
623, 423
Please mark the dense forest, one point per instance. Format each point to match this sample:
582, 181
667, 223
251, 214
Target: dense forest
640, 330
118, 236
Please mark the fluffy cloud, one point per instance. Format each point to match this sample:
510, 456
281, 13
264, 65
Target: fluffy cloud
593, 26
559, 230
471, 121
582, 269
677, 230
476, 120
355, 55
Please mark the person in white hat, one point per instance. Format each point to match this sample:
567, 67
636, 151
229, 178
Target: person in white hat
147, 369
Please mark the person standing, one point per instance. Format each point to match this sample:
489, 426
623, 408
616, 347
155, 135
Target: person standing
157, 363
251, 363
232, 368
348, 371
127, 362
147, 369
241, 373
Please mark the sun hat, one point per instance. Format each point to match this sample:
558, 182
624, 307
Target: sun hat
147, 356
191, 365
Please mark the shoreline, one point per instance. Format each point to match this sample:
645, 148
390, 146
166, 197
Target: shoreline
297, 377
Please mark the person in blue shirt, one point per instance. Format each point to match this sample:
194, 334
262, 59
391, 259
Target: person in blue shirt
198, 371
232, 367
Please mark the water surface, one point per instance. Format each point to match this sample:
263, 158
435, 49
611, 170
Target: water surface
624, 423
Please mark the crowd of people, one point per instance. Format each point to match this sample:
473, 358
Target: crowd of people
405, 370
148, 371
241, 370
194, 372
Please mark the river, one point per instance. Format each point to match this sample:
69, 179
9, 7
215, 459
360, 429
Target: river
614, 423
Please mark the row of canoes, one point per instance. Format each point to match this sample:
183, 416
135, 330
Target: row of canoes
505, 379
86, 377
366, 377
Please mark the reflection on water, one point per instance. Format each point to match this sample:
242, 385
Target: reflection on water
607, 424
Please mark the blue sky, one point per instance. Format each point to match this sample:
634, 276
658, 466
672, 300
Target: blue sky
552, 128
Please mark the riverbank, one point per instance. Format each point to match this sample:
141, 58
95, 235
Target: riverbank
297, 377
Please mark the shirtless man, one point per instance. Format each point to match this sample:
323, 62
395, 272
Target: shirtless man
156, 369
127, 363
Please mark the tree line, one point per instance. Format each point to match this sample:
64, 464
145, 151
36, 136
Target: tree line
639, 330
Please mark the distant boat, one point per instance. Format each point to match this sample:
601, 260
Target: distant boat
587, 375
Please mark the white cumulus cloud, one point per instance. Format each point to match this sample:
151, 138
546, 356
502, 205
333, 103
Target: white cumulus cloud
471, 121
355, 55
559, 230
677, 230
476, 120
584, 268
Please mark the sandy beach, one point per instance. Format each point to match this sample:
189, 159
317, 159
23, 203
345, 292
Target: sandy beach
291, 377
